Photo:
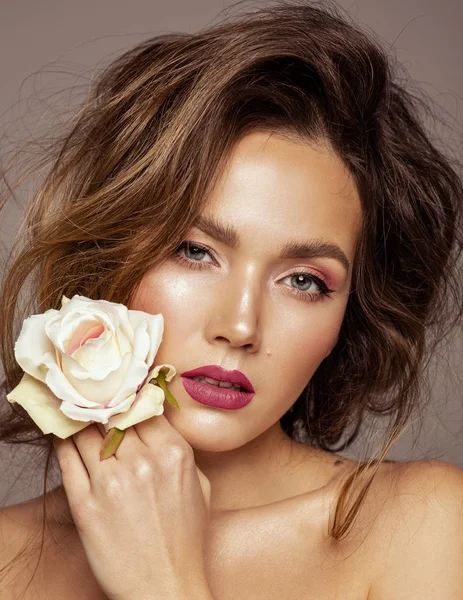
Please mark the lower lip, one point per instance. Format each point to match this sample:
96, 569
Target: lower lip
216, 396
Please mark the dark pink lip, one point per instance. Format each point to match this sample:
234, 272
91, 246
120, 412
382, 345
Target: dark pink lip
211, 395
220, 374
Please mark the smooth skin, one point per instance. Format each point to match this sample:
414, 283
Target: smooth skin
244, 308
142, 514
271, 499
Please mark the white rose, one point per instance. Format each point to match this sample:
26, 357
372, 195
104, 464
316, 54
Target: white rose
90, 361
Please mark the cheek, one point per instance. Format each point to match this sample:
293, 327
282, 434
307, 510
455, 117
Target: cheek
176, 298
317, 343
306, 341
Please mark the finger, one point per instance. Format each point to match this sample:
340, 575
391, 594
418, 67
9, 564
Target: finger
88, 442
73, 472
157, 430
130, 445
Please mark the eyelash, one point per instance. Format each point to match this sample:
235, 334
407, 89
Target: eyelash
307, 296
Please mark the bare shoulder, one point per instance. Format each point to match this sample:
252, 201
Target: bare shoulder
31, 547
16, 525
17, 537
418, 532
27, 546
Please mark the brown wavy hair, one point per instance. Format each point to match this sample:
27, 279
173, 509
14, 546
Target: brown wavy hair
128, 174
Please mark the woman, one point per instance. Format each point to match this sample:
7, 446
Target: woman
268, 187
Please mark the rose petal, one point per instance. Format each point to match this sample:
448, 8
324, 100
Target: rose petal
122, 342
43, 407
155, 331
116, 313
63, 327
77, 373
171, 372
92, 333
87, 329
98, 360
100, 391
61, 387
33, 343
99, 415
141, 339
149, 403
138, 369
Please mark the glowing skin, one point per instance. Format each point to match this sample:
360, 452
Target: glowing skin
242, 310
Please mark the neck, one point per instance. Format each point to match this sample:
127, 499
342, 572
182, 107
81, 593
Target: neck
262, 471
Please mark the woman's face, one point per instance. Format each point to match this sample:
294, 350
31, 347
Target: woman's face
245, 307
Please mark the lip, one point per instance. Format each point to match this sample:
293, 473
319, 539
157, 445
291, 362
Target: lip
205, 393
220, 374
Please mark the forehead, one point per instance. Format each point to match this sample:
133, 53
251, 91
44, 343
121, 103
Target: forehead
273, 188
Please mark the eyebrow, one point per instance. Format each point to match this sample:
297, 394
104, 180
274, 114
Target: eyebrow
293, 249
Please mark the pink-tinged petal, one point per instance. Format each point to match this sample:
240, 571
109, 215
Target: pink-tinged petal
98, 356
155, 328
119, 315
62, 329
61, 387
87, 329
115, 312
43, 408
94, 332
99, 415
149, 403
33, 343
97, 360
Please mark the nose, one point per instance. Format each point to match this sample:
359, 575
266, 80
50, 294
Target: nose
237, 311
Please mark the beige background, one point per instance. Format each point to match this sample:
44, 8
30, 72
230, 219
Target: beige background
47, 47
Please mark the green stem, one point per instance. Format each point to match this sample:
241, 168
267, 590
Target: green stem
111, 442
161, 379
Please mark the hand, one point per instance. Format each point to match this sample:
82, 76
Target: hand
142, 515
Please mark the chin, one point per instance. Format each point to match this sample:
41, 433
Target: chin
203, 432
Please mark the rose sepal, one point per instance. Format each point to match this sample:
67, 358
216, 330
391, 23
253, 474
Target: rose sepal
161, 378
43, 407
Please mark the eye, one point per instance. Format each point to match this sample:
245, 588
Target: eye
198, 251
310, 296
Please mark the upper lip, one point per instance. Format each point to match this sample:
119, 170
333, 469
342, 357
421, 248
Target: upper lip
220, 374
